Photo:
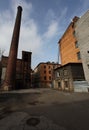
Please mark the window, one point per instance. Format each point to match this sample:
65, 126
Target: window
58, 74
44, 66
54, 67
88, 66
45, 72
74, 33
59, 84
65, 72
25, 57
76, 44
49, 67
66, 84
49, 72
73, 25
78, 56
44, 77
27, 77
49, 77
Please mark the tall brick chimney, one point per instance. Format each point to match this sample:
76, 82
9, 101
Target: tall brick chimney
10, 76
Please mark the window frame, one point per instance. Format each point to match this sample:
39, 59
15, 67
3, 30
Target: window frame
78, 55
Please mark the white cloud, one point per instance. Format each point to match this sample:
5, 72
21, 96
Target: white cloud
5, 30
53, 23
52, 30
50, 17
27, 7
29, 40
63, 14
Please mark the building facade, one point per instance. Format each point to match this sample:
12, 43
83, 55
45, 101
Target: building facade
66, 76
82, 35
68, 45
23, 70
0, 71
43, 75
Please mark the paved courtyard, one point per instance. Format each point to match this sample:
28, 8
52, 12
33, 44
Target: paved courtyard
44, 109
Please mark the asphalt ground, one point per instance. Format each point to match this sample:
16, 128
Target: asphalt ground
62, 110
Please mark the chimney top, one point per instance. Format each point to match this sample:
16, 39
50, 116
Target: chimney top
19, 8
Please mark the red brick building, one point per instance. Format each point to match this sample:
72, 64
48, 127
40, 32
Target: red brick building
43, 74
23, 70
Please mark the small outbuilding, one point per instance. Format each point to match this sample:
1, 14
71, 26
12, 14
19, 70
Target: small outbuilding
65, 77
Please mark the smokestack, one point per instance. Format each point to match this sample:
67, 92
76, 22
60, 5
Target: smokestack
10, 76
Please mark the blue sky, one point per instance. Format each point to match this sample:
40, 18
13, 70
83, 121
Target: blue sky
43, 24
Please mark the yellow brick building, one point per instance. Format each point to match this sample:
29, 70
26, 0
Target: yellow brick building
69, 51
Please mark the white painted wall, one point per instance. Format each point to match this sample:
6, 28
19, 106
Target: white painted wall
82, 35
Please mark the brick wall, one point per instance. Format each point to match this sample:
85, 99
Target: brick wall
68, 50
44, 74
23, 71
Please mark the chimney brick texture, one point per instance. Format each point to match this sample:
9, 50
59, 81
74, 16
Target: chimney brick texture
10, 76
